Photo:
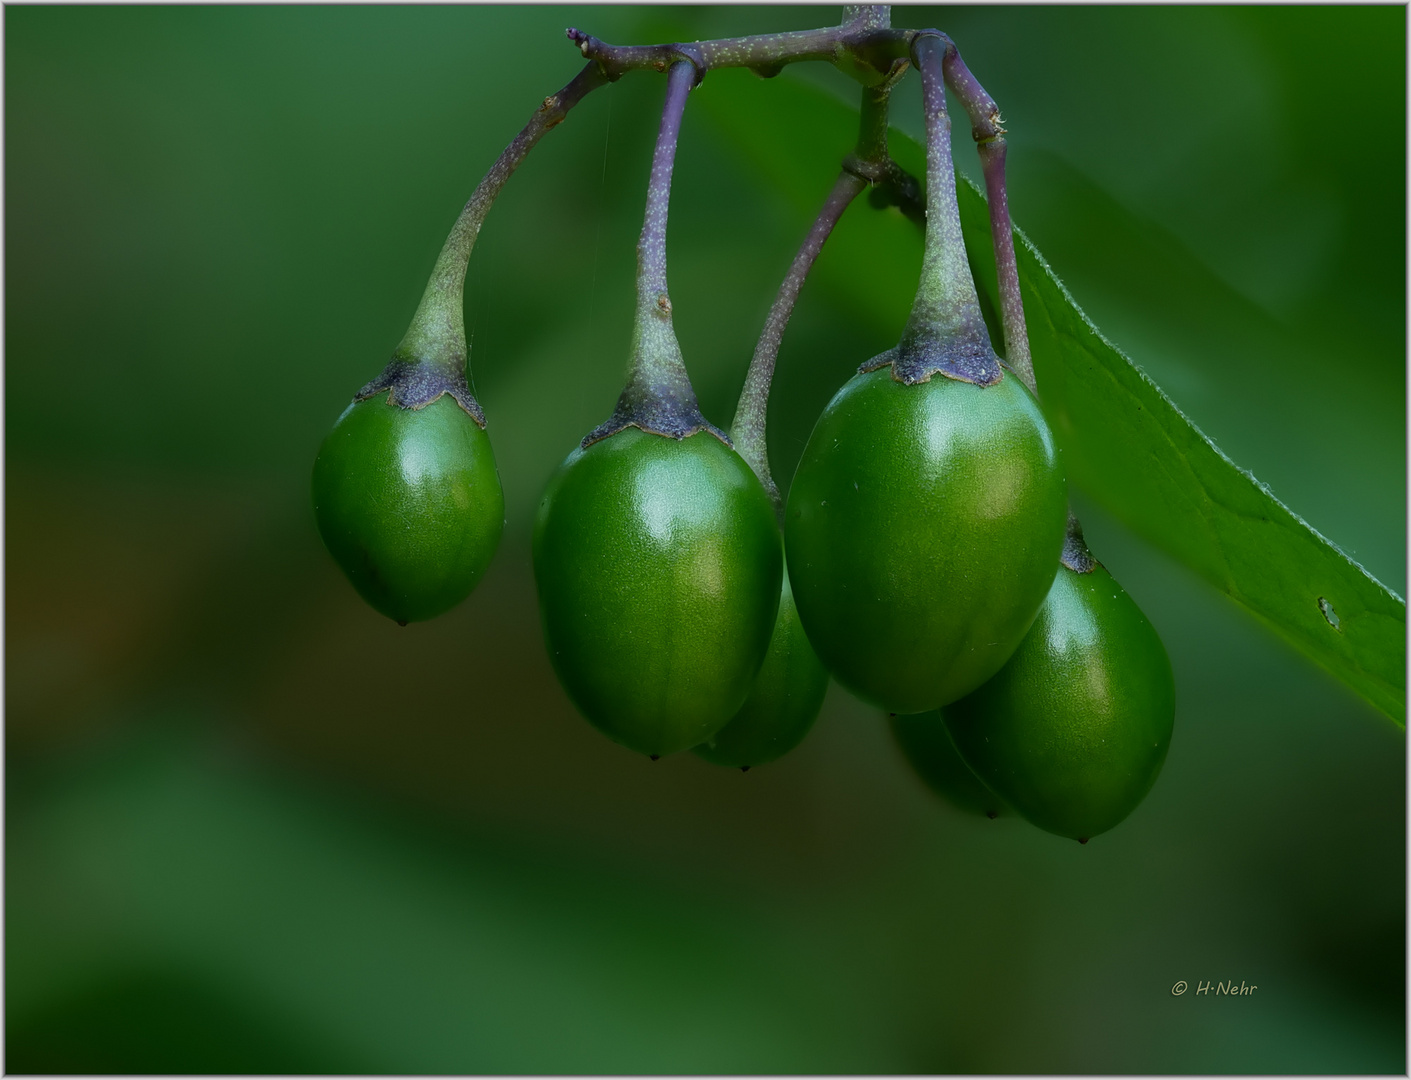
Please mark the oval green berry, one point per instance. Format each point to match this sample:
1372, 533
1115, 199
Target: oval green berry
922, 529
1074, 730
659, 567
409, 504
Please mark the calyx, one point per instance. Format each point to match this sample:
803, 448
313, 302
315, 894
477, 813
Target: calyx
415, 384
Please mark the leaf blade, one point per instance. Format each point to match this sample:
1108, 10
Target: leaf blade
1128, 445
1125, 441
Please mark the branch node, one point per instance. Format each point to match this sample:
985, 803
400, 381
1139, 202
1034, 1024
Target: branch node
894, 73
692, 56
874, 172
921, 35
582, 40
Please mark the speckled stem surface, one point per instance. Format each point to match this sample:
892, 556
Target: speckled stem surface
864, 44
748, 428
869, 163
988, 131
658, 396
946, 332
431, 358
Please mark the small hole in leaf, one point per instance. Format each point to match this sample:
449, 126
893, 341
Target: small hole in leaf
1329, 614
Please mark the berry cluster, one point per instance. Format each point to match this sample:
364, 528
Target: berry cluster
925, 557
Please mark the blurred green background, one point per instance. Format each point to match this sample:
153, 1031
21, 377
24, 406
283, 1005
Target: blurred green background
253, 826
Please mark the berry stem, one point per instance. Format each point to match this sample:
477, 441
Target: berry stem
868, 163
658, 396
988, 130
1011, 303
946, 331
748, 428
651, 246
436, 336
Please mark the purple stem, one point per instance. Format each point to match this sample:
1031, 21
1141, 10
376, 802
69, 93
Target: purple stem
651, 247
748, 429
658, 396
865, 34
436, 335
946, 329
869, 163
988, 131
437, 332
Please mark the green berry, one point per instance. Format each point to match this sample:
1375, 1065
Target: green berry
1074, 730
409, 504
922, 529
783, 703
931, 752
659, 567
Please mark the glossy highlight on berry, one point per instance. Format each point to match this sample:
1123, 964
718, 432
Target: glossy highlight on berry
1074, 730
409, 504
922, 529
659, 572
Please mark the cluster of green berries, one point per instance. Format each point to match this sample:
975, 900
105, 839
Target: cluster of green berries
919, 565
927, 560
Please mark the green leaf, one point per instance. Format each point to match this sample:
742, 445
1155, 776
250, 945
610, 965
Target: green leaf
1128, 445
1125, 442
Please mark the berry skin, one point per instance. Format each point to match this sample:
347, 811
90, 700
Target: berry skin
1074, 730
659, 571
931, 752
783, 703
922, 529
409, 504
